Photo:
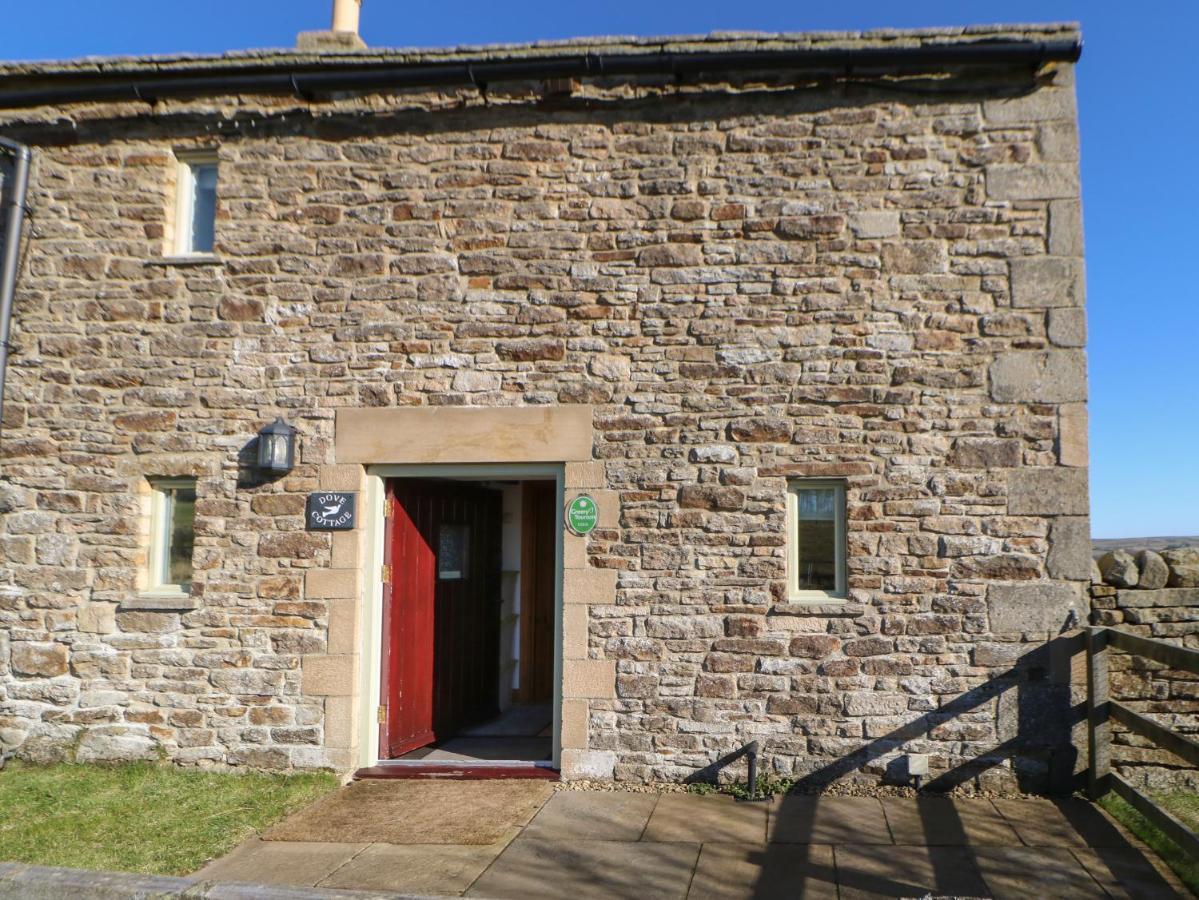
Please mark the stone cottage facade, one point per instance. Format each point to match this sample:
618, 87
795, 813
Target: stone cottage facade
681, 293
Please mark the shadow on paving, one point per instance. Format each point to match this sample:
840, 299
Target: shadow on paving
1019, 848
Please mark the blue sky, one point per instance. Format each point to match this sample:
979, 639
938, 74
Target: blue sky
1140, 147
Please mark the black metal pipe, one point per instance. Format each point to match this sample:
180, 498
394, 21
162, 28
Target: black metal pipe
310, 80
753, 769
10, 255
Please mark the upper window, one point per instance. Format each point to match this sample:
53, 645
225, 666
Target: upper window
172, 535
195, 214
815, 539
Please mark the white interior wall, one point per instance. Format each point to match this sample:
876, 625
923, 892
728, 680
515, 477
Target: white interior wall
509, 679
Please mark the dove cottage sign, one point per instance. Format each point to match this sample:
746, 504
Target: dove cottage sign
331, 511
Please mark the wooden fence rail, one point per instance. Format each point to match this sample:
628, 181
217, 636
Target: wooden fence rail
1102, 711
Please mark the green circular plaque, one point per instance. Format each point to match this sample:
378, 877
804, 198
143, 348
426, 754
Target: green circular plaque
581, 514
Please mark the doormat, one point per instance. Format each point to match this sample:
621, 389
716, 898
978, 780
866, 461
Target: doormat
416, 812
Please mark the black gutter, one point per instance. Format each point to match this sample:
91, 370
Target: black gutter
310, 80
10, 255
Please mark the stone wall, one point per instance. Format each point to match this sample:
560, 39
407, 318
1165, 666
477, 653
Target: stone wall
1155, 595
746, 281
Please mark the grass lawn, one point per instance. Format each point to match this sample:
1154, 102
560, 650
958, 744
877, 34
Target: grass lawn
1183, 806
143, 817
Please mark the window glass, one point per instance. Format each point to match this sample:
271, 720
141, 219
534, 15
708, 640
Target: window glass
203, 222
172, 535
180, 540
195, 214
816, 526
452, 552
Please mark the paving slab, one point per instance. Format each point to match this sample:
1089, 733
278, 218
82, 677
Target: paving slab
421, 868
1017, 873
598, 816
1127, 873
752, 871
1060, 823
944, 821
803, 819
280, 862
416, 812
877, 870
581, 870
700, 819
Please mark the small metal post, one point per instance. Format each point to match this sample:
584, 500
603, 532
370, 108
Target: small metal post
1098, 712
753, 770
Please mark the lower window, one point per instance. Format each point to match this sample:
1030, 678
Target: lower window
815, 539
172, 535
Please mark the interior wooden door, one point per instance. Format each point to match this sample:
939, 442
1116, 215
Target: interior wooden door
441, 611
539, 533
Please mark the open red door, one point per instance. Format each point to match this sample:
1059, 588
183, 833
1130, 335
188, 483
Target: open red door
440, 611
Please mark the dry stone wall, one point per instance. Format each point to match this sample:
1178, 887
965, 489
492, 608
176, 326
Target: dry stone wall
748, 282
1155, 595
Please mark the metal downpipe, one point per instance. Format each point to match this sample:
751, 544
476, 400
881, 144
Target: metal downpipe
13, 211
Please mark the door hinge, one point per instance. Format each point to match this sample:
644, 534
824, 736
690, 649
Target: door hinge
388, 507
381, 715
385, 574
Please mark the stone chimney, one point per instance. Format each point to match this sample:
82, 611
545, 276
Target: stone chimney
342, 35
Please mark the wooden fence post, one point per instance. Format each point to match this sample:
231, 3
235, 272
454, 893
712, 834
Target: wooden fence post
1098, 714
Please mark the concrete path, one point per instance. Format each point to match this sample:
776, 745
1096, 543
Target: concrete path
582, 845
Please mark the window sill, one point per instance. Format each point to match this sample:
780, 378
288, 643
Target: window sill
190, 259
817, 605
160, 600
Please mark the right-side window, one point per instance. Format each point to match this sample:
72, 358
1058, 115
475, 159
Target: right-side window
816, 539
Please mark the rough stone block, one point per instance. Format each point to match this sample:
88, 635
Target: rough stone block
1070, 549
1068, 327
590, 586
1058, 142
1065, 228
36, 659
1184, 567
1040, 606
874, 223
1046, 181
671, 255
589, 679
985, 453
1072, 443
98, 618
324, 584
588, 765
328, 676
1152, 571
1048, 376
1057, 491
915, 257
575, 623
343, 625
1044, 104
1041, 282
583, 475
343, 477
575, 716
1119, 569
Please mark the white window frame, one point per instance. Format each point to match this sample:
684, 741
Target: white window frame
185, 189
794, 485
160, 537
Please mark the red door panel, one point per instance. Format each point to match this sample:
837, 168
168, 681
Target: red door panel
441, 611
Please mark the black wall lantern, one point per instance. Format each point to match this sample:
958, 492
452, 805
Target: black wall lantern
277, 447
